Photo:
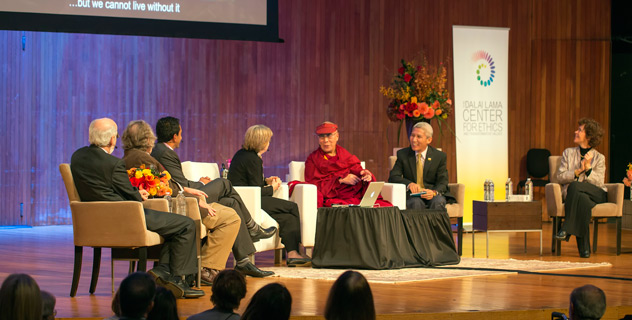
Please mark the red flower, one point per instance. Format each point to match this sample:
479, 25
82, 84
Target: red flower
410, 107
436, 104
401, 70
400, 116
407, 77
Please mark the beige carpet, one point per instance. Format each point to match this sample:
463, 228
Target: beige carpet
421, 274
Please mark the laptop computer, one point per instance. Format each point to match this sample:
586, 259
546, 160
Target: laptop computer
371, 194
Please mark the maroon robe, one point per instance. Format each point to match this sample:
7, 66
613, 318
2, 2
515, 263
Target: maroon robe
324, 171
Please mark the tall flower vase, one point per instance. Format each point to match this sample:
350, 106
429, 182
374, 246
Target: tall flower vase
410, 122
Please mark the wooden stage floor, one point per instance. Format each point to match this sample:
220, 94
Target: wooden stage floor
46, 253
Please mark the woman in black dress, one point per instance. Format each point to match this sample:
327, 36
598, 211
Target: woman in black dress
246, 169
581, 175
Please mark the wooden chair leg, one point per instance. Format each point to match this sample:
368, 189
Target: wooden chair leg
132, 267
459, 233
618, 235
558, 243
595, 233
76, 271
553, 233
278, 256
142, 259
96, 267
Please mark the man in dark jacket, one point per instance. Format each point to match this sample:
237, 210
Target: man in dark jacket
422, 169
220, 190
99, 176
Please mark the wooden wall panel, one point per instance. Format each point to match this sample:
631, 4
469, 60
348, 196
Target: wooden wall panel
335, 57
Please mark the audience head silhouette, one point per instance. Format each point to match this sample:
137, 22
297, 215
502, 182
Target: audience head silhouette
350, 298
20, 298
587, 303
165, 307
272, 302
229, 287
136, 295
48, 305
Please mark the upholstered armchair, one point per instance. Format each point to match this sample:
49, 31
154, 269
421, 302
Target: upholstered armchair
613, 208
252, 199
107, 224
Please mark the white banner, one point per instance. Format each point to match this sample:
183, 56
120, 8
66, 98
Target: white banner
480, 110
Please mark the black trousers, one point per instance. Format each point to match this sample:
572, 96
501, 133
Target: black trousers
222, 191
581, 197
287, 215
178, 253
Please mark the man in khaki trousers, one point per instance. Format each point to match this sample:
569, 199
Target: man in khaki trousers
222, 222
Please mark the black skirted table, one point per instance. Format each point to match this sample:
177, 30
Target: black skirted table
382, 238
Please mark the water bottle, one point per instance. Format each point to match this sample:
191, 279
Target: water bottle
169, 201
491, 190
486, 190
181, 204
508, 188
224, 171
528, 188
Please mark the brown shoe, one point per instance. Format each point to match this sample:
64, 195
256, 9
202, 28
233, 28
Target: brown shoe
208, 275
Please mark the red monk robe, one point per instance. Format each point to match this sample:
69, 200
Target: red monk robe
324, 171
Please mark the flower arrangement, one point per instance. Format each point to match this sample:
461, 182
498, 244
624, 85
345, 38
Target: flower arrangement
418, 92
628, 179
152, 180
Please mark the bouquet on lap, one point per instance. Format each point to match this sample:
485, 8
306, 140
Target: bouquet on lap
152, 180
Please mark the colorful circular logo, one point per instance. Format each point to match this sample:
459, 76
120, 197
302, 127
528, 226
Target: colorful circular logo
485, 70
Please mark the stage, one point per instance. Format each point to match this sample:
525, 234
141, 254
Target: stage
46, 253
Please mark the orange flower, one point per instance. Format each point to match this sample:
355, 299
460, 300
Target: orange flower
416, 113
429, 113
438, 112
449, 101
423, 107
436, 105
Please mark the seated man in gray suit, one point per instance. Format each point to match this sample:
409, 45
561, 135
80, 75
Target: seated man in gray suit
422, 169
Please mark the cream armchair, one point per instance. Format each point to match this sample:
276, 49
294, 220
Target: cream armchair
455, 210
555, 207
305, 196
252, 199
108, 224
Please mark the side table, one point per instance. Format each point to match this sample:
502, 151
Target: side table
503, 216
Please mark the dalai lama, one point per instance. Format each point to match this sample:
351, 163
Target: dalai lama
337, 173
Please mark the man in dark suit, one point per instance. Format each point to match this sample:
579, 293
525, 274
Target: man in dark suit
422, 169
220, 190
99, 176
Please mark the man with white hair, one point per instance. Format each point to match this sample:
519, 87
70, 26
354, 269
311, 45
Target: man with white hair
100, 176
422, 169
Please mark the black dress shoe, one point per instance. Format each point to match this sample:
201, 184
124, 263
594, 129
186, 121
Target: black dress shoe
180, 289
252, 270
160, 275
584, 254
562, 235
260, 233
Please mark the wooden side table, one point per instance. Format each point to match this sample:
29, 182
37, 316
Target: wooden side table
503, 216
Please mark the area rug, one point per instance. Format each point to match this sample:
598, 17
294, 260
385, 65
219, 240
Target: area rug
503, 266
